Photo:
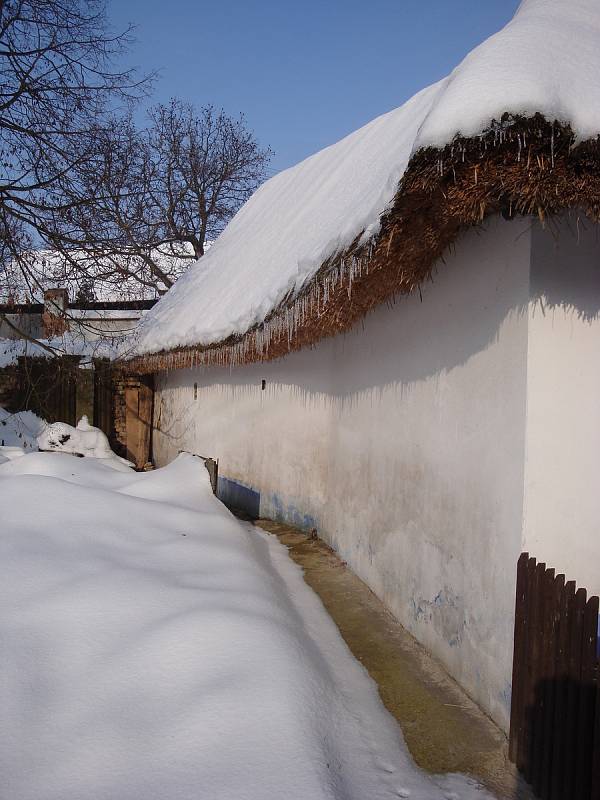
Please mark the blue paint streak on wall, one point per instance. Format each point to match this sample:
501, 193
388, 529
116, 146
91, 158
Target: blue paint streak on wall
241, 497
238, 496
505, 696
289, 513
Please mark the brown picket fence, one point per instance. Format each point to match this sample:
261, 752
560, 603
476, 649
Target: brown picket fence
555, 709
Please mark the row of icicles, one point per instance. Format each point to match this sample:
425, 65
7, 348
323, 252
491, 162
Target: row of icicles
497, 135
283, 324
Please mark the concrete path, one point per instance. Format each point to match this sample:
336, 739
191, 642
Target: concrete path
444, 730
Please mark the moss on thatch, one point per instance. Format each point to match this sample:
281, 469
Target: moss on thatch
518, 166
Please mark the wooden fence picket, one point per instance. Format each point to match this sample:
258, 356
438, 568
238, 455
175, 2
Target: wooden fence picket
595, 777
552, 662
587, 700
555, 707
517, 721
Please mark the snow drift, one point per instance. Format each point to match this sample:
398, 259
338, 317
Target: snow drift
154, 647
546, 60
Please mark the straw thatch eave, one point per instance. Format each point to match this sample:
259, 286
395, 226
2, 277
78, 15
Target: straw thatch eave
525, 166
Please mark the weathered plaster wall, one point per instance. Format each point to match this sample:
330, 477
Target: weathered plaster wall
403, 444
562, 479
31, 324
91, 325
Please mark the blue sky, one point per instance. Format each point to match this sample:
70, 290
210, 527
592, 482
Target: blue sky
304, 74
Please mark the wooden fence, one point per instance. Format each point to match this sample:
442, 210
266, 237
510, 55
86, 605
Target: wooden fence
555, 711
48, 387
104, 401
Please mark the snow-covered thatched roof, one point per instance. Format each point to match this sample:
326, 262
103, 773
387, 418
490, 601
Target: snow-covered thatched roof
514, 127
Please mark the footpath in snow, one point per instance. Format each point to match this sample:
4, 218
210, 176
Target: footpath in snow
155, 648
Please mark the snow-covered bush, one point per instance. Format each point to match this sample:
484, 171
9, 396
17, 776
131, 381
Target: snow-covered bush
19, 430
84, 440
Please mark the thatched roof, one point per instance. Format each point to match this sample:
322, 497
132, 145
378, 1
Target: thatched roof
438, 182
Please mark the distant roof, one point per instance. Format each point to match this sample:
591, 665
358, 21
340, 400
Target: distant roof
45, 269
319, 244
108, 305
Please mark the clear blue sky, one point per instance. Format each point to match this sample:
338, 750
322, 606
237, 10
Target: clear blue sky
305, 74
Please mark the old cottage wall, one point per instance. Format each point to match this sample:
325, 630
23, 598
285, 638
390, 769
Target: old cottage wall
562, 479
402, 443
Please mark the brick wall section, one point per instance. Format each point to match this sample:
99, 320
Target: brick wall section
119, 436
56, 302
11, 399
119, 433
121, 384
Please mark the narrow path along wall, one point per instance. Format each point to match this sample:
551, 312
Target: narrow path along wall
402, 443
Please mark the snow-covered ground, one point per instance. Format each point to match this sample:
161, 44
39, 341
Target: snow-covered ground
155, 647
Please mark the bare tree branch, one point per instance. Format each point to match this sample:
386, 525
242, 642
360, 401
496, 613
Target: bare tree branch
59, 85
163, 192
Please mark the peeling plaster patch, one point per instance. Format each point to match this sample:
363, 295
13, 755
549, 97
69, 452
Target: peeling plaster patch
445, 612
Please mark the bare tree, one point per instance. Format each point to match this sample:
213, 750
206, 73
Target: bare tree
163, 192
85, 195
58, 83
207, 165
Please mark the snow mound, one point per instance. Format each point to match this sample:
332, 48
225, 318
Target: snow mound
19, 431
154, 647
545, 60
84, 440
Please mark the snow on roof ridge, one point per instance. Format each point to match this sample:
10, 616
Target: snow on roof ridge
542, 61
309, 213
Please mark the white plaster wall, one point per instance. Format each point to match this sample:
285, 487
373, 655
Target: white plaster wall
403, 443
562, 477
31, 324
92, 328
